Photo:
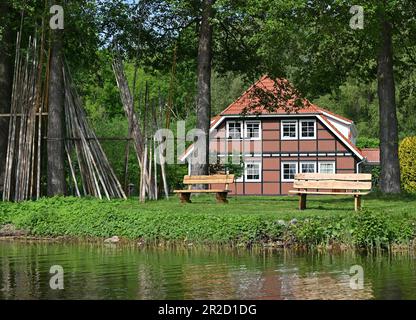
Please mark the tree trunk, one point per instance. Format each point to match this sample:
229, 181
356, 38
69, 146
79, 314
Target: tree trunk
56, 133
6, 81
389, 158
204, 85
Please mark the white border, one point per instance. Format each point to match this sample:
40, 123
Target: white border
282, 122
282, 173
329, 115
307, 162
245, 129
227, 132
260, 171
314, 129
340, 136
327, 162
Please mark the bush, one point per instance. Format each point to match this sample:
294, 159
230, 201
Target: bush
374, 229
407, 155
370, 229
365, 142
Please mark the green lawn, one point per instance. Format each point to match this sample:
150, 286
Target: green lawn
282, 207
244, 221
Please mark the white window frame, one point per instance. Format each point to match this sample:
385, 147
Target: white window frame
314, 129
307, 162
326, 162
282, 172
241, 130
246, 129
245, 171
296, 129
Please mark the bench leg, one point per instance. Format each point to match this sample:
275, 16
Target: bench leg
357, 203
302, 201
185, 197
222, 197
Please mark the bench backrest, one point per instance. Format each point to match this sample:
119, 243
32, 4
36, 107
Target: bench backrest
324, 181
217, 178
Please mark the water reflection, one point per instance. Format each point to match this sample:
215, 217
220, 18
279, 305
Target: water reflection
103, 272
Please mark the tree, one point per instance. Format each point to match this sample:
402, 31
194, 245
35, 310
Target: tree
204, 84
6, 79
56, 125
389, 138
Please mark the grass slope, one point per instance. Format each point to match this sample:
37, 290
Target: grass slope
244, 221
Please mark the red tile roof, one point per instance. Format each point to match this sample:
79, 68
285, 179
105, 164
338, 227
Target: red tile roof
372, 154
248, 100
214, 120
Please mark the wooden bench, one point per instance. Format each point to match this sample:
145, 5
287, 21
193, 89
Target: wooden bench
356, 185
185, 195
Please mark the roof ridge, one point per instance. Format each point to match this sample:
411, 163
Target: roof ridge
264, 77
333, 113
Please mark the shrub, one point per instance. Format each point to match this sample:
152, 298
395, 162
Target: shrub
370, 229
366, 142
407, 155
319, 230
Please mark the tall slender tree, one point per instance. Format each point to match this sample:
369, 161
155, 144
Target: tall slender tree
6, 79
56, 127
204, 85
389, 148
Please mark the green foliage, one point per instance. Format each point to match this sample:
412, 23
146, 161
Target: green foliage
254, 220
233, 165
225, 90
407, 155
375, 176
365, 142
93, 218
370, 229
318, 230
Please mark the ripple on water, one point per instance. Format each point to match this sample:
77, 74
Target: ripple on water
100, 272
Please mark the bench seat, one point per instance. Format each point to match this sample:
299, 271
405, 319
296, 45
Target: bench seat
330, 193
356, 185
200, 191
221, 194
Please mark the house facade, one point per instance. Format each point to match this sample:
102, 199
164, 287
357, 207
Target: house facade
274, 146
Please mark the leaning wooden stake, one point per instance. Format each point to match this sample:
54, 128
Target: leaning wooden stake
96, 172
161, 155
127, 101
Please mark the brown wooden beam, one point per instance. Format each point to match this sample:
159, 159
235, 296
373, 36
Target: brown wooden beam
357, 203
302, 201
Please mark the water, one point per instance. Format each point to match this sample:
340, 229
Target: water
115, 272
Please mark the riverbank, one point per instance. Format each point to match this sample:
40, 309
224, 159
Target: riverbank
245, 221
